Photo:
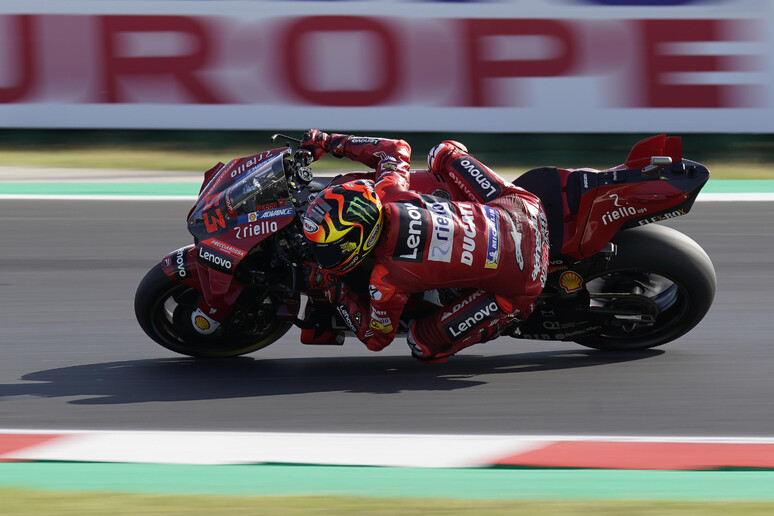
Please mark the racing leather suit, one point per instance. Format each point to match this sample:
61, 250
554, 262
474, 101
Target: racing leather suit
495, 246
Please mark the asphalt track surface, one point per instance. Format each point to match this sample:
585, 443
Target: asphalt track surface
73, 356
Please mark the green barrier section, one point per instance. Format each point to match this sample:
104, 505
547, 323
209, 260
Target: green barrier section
448, 483
739, 186
192, 189
178, 189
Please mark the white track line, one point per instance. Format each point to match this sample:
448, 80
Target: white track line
703, 197
54, 197
400, 450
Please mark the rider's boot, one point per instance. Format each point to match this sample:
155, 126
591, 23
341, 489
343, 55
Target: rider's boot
321, 336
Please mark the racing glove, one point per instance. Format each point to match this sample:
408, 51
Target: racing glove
316, 142
322, 280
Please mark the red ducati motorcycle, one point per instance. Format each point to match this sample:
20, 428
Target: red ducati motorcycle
616, 281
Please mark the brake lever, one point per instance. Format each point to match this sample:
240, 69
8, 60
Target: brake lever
288, 139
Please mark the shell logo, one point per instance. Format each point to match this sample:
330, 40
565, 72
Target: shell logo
201, 323
570, 281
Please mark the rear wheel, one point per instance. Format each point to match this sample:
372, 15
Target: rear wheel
659, 286
163, 308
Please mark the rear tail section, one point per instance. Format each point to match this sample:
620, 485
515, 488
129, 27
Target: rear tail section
587, 207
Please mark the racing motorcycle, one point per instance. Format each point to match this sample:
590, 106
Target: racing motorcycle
615, 281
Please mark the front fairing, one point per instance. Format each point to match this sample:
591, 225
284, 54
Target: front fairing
240, 192
241, 204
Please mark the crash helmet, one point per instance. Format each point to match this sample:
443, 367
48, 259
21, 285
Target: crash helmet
343, 224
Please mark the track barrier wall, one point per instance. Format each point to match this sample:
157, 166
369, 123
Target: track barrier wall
507, 66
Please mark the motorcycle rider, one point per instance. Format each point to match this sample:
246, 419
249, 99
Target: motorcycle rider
495, 246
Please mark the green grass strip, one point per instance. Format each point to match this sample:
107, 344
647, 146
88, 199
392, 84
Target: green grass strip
35, 503
178, 189
446, 483
744, 186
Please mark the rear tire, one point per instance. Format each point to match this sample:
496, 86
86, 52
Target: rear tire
163, 308
669, 268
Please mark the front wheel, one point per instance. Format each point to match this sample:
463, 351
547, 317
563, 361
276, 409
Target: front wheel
163, 308
657, 287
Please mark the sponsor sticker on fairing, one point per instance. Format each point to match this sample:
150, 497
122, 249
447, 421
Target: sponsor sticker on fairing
267, 206
248, 165
255, 229
180, 263
227, 248
202, 323
493, 242
266, 214
215, 259
663, 216
570, 281
274, 213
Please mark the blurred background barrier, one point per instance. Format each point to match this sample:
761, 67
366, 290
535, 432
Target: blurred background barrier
512, 66
180, 85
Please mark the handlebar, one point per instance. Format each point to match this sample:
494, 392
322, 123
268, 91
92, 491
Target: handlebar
298, 166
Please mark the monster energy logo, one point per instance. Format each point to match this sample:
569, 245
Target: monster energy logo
360, 208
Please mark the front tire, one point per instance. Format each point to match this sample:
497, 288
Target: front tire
674, 284
163, 308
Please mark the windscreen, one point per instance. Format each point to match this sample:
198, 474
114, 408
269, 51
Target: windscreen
250, 185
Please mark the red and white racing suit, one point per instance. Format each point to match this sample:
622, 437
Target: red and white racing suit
495, 246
